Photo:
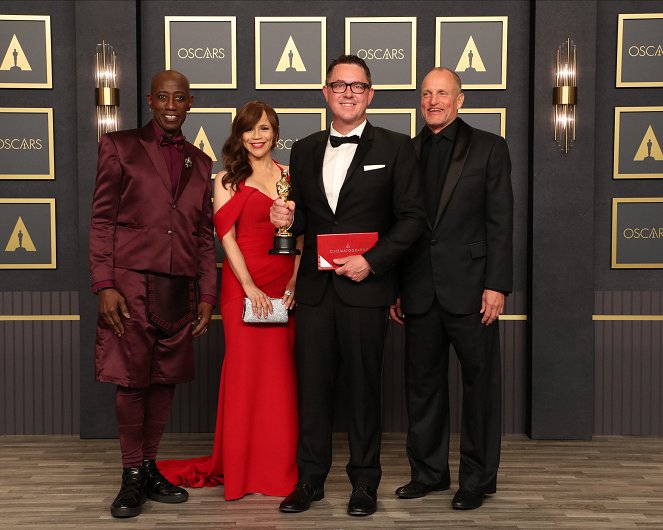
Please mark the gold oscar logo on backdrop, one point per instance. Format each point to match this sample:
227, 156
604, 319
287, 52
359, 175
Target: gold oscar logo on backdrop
470, 59
291, 60
202, 142
15, 58
649, 149
20, 240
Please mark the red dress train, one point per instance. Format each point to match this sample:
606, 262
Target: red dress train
255, 439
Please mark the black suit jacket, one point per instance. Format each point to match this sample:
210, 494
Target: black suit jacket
468, 246
386, 200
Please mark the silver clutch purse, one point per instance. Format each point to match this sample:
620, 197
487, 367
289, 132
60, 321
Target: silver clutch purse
279, 315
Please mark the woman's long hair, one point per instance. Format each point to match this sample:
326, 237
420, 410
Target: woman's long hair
235, 156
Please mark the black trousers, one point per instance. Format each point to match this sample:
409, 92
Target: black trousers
334, 340
427, 340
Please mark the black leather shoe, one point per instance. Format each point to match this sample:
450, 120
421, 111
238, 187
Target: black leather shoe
131, 495
158, 488
363, 501
414, 489
300, 498
466, 500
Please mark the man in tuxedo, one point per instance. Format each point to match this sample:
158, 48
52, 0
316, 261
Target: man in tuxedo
151, 253
351, 178
452, 288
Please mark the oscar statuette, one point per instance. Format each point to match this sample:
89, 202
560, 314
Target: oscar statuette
284, 242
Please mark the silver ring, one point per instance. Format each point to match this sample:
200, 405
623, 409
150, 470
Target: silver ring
288, 292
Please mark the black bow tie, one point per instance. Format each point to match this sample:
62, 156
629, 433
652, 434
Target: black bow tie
335, 141
177, 141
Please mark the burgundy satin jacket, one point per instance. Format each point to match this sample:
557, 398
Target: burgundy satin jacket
138, 224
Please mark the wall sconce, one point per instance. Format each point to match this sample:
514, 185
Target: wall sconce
107, 93
565, 95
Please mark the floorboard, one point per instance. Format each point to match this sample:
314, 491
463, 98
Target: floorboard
609, 482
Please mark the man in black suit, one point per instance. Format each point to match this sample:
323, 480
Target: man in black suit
351, 178
452, 287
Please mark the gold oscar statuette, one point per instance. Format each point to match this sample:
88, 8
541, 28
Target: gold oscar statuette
284, 242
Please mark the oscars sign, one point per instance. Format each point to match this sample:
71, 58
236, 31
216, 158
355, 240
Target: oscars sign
27, 234
389, 47
208, 130
640, 50
475, 48
26, 143
637, 233
638, 143
25, 51
296, 124
290, 52
203, 49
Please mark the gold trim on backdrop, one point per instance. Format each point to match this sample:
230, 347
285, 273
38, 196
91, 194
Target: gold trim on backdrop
438, 40
413, 22
627, 318
411, 112
615, 170
292, 110
513, 317
43, 318
233, 40
220, 317
613, 254
323, 52
51, 153
620, 42
495, 110
47, 35
52, 264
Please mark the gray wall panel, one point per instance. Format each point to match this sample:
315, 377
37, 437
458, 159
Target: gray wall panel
628, 371
562, 194
40, 389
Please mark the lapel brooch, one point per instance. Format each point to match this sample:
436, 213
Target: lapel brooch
187, 162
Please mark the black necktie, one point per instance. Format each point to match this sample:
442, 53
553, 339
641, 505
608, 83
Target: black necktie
335, 141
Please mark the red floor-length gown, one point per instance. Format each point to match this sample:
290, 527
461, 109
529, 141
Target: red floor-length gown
256, 424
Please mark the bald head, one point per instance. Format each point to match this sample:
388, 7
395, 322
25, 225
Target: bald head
168, 75
441, 97
454, 76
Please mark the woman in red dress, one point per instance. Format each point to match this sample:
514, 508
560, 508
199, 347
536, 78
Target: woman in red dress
255, 439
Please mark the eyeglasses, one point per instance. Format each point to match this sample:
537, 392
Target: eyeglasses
338, 87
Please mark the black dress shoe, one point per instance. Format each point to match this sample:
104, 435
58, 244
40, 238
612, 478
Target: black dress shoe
363, 501
466, 500
300, 498
131, 495
158, 488
414, 489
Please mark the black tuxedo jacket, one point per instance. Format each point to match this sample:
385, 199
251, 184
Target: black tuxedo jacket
468, 246
385, 198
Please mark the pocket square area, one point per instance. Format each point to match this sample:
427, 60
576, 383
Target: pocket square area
376, 166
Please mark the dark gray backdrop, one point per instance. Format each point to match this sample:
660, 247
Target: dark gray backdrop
593, 384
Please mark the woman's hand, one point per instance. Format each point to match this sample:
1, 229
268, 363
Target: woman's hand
262, 305
289, 294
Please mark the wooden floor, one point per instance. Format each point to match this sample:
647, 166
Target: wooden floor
610, 482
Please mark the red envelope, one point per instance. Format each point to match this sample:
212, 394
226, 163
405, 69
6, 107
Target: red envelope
333, 246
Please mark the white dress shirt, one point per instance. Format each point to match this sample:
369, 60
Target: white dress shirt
336, 163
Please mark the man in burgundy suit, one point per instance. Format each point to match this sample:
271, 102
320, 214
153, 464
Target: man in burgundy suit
151, 256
